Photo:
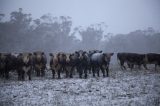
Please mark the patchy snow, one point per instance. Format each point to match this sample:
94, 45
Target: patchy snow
122, 88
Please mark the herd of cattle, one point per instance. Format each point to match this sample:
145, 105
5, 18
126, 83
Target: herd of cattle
80, 61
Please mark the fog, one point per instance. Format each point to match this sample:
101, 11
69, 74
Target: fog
56, 25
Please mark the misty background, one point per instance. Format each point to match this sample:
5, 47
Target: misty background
56, 25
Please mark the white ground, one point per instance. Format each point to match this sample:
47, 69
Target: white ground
122, 88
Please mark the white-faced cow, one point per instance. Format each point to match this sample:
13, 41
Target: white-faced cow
54, 65
25, 63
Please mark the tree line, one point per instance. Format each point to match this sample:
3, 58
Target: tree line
50, 34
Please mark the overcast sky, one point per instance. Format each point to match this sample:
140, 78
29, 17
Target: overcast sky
121, 16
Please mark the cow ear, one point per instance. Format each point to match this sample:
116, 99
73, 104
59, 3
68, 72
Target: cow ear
20, 54
64, 55
30, 54
58, 54
112, 54
50, 54
34, 53
104, 54
72, 54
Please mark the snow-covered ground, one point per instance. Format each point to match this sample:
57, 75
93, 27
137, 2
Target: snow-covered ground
122, 88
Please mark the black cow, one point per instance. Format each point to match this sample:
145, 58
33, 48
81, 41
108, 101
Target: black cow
3, 65
153, 58
132, 59
100, 61
7, 63
82, 62
40, 62
122, 57
24, 65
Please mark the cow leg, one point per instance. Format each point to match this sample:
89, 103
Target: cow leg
59, 73
67, 72
85, 72
155, 67
74, 70
145, 66
19, 74
107, 71
71, 72
89, 68
38, 72
131, 66
139, 66
7, 74
103, 72
97, 70
23, 74
80, 72
29, 74
53, 73
42, 72
93, 71
122, 65
1, 72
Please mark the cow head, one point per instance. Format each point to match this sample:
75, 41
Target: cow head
38, 55
107, 57
81, 54
68, 57
61, 57
3, 59
3, 56
25, 57
53, 56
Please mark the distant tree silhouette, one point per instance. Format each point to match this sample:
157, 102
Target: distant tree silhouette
53, 34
